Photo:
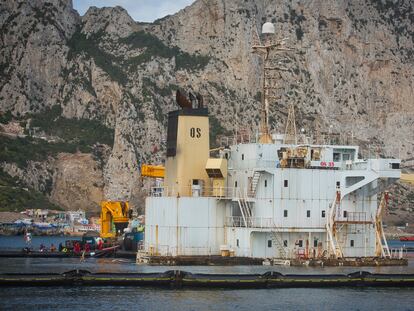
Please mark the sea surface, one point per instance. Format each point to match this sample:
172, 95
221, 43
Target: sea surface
17, 242
137, 298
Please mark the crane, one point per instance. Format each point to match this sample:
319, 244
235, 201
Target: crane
154, 171
114, 213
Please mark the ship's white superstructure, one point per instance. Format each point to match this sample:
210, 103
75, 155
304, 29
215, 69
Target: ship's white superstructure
270, 198
326, 205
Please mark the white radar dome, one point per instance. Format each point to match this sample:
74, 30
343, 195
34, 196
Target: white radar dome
268, 28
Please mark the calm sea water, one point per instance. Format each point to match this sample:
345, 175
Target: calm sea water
136, 298
17, 242
128, 298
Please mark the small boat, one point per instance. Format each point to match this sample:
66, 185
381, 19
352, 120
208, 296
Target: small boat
407, 239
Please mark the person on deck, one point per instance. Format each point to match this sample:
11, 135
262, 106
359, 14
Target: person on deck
100, 244
77, 248
87, 248
42, 248
52, 248
60, 247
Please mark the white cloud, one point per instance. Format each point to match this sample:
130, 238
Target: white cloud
140, 10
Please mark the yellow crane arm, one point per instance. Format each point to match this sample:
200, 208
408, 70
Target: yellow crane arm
154, 171
407, 178
113, 213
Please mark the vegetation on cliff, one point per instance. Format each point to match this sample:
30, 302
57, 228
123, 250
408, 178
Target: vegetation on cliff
21, 150
81, 132
14, 197
62, 135
216, 131
81, 44
154, 47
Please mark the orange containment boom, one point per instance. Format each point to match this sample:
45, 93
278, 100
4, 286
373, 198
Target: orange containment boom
154, 171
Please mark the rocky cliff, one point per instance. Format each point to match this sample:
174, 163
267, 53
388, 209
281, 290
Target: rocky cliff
103, 73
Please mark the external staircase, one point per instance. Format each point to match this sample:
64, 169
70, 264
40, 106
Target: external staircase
278, 242
381, 245
254, 183
245, 209
335, 248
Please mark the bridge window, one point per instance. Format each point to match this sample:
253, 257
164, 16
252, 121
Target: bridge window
345, 214
265, 182
242, 156
237, 243
285, 183
285, 243
300, 243
352, 243
269, 243
395, 166
308, 213
323, 214
336, 157
315, 243
285, 213
235, 184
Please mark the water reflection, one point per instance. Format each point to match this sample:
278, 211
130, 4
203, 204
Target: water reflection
132, 298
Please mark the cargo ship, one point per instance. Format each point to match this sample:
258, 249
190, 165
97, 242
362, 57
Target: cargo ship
274, 196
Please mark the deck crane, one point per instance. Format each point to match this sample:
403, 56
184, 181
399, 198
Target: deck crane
116, 214
153, 171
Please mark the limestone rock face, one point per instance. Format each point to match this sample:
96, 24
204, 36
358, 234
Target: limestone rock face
351, 72
354, 68
113, 21
78, 182
33, 52
72, 181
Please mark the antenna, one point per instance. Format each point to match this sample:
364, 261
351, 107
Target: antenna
290, 132
268, 82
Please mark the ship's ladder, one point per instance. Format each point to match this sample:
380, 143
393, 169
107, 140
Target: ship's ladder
381, 245
276, 238
245, 210
254, 183
334, 245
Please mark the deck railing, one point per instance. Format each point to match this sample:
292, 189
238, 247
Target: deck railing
191, 191
252, 222
354, 217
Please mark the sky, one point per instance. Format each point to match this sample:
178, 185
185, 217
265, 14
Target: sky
140, 10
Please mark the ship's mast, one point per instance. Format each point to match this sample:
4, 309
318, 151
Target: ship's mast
290, 132
263, 50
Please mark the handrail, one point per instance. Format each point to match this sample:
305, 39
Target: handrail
217, 192
254, 222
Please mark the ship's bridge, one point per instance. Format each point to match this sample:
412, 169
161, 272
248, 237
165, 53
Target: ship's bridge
339, 157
